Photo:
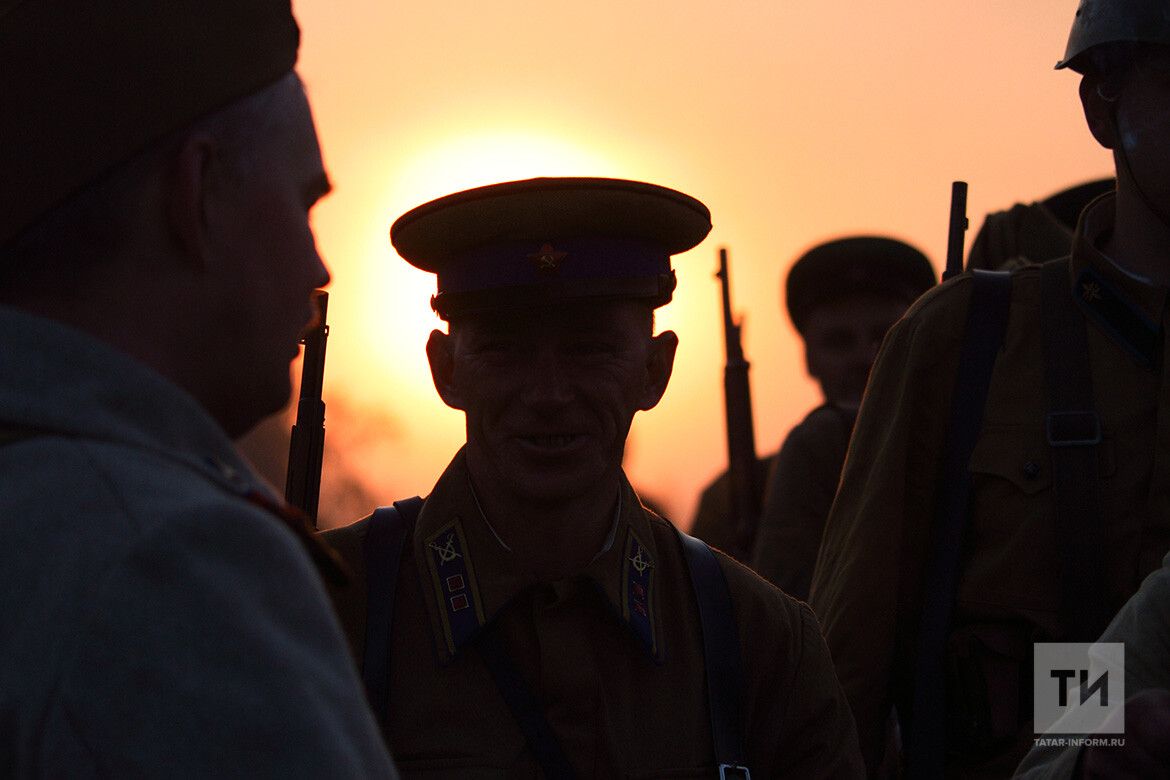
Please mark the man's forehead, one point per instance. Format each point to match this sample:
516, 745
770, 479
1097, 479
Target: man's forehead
566, 316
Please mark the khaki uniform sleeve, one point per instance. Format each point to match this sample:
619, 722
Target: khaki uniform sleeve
866, 584
820, 738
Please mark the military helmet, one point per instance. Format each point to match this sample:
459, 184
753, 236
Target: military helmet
1115, 21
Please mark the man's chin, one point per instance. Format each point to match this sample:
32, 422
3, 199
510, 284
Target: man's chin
246, 412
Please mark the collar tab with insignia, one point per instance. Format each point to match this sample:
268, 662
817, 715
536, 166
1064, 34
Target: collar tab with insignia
638, 591
453, 580
1123, 321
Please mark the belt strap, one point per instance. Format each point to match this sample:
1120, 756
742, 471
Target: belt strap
1074, 433
721, 656
986, 325
389, 527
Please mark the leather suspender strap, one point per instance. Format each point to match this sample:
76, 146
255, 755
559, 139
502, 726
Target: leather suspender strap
387, 533
986, 324
527, 711
1074, 433
385, 539
721, 656
389, 528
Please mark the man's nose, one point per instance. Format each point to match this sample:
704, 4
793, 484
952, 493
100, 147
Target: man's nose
546, 379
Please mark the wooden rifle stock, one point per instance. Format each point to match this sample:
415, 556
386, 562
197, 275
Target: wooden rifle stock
741, 440
956, 230
303, 484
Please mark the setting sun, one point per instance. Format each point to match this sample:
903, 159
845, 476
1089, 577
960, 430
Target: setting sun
792, 123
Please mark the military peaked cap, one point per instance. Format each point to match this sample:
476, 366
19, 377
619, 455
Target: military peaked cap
87, 84
862, 264
528, 242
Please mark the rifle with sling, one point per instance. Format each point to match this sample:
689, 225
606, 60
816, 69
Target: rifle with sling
303, 483
741, 442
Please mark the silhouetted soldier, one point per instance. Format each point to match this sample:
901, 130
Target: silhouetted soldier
1053, 501
160, 616
842, 297
531, 613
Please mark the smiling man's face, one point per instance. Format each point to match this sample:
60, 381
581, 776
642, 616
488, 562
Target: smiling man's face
549, 393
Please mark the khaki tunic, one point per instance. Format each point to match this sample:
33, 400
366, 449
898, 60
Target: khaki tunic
797, 498
620, 674
867, 588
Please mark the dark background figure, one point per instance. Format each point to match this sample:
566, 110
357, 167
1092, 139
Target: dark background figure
842, 297
1069, 505
159, 610
541, 616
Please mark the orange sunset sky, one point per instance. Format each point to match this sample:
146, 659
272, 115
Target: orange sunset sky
794, 121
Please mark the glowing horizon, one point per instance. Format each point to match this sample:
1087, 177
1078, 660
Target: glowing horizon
794, 123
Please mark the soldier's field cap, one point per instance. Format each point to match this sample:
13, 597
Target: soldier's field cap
1100, 22
536, 241
848, 266
87, 84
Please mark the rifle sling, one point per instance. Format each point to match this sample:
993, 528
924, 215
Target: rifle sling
1074, 435
986, 324
383, 547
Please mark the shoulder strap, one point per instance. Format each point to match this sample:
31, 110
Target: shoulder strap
1074, 433
721, 654
525, 707
986, 325
386, 536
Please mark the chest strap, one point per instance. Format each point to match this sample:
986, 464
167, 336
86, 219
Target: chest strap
1074, 435
986, 324
386, 537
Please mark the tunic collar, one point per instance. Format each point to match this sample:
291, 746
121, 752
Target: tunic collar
1127, 307
470, 576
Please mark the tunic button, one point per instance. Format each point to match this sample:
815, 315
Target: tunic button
1031, 469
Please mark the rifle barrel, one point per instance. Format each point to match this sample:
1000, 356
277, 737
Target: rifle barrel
741, 443
307, 443
956, 230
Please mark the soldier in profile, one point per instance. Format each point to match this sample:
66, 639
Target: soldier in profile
942, 566
160, 615
531, 614
842, 296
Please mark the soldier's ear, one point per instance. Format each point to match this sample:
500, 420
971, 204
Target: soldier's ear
659, 366
188, 184
1099, 101
441, 356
